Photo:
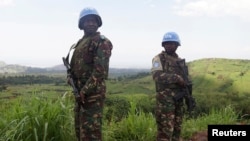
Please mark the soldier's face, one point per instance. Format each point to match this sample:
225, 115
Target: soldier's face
170, 47
90, 24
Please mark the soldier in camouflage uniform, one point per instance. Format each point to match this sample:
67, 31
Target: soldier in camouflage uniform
90, 67
168, 82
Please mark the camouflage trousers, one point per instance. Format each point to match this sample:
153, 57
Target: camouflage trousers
169, 114
88, 119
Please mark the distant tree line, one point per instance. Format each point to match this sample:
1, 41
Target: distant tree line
30, 79
130, 76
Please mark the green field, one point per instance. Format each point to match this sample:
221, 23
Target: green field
33, 110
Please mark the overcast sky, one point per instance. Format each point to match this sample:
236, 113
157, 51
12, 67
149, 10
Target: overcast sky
39, 33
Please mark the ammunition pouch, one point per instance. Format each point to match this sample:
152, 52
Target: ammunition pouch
190, 88
189, 100
162, 86
179, 95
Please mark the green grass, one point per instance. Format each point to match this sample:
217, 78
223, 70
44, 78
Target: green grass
221, 75
43, 112
226, 115
36, 116
142, 85
137, 126
41, 119
38, 119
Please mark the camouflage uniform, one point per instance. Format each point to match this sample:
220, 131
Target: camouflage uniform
90, 66
169, 112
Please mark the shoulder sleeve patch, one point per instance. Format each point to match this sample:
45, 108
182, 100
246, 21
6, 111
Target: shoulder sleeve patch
156, 64
102, 37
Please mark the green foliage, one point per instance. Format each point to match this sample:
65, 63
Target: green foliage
217, 83
218, 100
220, 76
116, 108
227, 115
143, 85
3, 87
42, 118
31, 79
138, 126
38, 119
146, 103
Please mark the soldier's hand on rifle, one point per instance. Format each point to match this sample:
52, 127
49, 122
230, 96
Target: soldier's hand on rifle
82, 95
68, 80
180, 81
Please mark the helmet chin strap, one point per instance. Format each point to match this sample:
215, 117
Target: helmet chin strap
170, 52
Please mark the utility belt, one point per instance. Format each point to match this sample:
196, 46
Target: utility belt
80, 82
163, 86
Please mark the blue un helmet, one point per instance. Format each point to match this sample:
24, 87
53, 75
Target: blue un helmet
89, 11
171, 36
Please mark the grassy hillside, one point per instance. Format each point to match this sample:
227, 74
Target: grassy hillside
220, 88
221, 76
216, 83
128, 85
210, 76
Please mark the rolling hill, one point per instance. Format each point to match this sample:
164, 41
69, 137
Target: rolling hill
223, 75
18, 69
215, 76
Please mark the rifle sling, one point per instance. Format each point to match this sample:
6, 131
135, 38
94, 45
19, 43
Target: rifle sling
76, 44
72, 47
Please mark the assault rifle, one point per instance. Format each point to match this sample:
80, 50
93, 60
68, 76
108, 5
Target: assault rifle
70, 78
76, 94
187, 91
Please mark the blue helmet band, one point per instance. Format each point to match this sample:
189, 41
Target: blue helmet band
89, 11
171, 37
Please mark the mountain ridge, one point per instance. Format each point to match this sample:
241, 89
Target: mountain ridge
19, 69
15, 68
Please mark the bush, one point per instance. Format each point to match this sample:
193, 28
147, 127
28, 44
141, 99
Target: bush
116, 107
146, 103
137, 126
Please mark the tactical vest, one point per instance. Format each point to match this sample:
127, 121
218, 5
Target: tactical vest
170, 66
83, 58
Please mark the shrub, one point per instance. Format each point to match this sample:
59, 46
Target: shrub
116, 108
137, 126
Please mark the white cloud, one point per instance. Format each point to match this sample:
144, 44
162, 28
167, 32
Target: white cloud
150, 3
213, 8
5, 3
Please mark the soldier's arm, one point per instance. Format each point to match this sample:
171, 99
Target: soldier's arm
159, 75
101, 66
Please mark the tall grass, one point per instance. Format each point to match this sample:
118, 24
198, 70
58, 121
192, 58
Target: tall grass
42, 119
226, 115
38, 119
137, 126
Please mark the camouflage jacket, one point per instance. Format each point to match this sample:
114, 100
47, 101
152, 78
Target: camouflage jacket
165, 71
90, 61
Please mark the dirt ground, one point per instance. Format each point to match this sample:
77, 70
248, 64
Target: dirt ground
199, 136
